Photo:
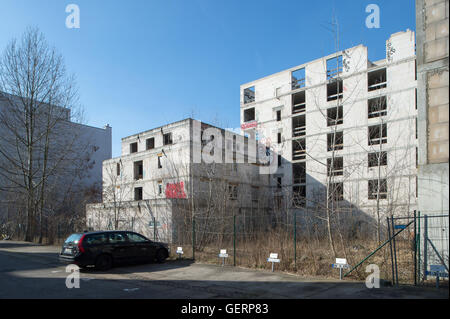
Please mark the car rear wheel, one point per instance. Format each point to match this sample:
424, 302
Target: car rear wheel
104, 262
161, 255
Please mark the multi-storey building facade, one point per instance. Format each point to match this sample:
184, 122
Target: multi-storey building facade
161, 180
341, 123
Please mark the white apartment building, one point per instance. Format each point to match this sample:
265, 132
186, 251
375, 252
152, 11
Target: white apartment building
159, 183
346, 110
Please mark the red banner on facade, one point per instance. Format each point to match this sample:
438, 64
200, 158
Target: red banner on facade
175, 190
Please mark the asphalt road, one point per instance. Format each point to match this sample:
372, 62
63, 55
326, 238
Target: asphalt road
33, 271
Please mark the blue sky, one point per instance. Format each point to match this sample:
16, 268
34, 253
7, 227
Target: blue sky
145, 63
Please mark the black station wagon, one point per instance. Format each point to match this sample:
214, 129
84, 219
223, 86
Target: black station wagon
104, 249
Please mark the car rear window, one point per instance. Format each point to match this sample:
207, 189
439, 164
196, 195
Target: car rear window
74, 238
95, 239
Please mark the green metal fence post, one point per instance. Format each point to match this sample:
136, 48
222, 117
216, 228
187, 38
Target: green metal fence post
418, 247
154, 228
415, 250
295, 240
234, 240
193, 238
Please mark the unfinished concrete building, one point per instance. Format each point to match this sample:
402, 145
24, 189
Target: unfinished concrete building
161, 180
344, 130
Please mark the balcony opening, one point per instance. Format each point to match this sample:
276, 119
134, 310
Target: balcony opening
335, 167
334, 90
334, 67
249, 95
249, 115
138, 193
167, 139
133, 147
335, 115
377, 107
376, 79
377, 134
374, 158
336, 191
150, 143
299, 196
138, 170
373, 189
299, 126
335, 141
298, 79
298, 102
299, 149
299, 173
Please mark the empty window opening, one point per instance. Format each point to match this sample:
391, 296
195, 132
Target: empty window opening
159, 161
374, 190
138, 193
118, 169
335, 167
376, 80
298, 79
336, 191
167, 139
138, 170
150, 143
299, 126
278, 115
232, 191
377, 134
133, 147
299, 173
298, 102
255, 193
279, 138
334, 67
377, 158
299, 149
160, 188
334, 90
249, 95
249, 115
279, 182
335, 115
278, 201
280, 161
299, 196
335, 141
377, 107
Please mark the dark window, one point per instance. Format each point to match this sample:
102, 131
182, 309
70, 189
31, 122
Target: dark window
335, 167
150, 143
335, 116
373, 189
376, 80
249, 95
279, 182
298, 149
336, 191
377, 107
135, 238
279, 138
159, 161
233, 191
334, 90
96, 239
279, 161
299, 173
118, 169
335, 141
249, 115
278, 116
138, 193
334, 67
133, 147
138, 170
373, 159
115, 238
298, 102
167, 139
377, 134
299, 196
299, 126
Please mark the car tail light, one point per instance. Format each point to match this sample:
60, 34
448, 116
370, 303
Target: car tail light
80, 246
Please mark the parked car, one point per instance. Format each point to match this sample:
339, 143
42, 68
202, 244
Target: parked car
104, 249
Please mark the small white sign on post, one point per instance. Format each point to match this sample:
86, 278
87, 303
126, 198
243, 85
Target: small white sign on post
179, 251
340, 263
273, 258
438, 271
223, 254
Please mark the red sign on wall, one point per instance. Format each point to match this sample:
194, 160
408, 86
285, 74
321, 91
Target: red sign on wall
245, 126
175, 190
